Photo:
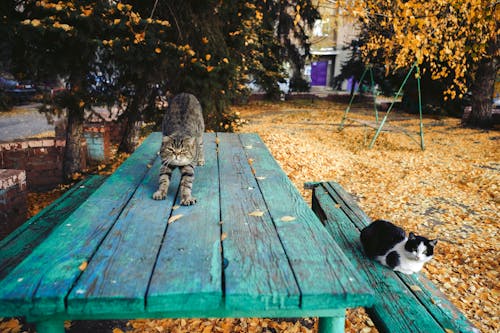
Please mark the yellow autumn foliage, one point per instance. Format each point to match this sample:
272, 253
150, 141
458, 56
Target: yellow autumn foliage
442, 33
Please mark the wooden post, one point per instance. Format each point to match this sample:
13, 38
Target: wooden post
331, 324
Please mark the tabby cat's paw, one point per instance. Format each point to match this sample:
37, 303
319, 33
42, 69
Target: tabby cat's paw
159, 195
188, 201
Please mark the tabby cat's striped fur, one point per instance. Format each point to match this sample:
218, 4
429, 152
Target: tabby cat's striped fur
182, 145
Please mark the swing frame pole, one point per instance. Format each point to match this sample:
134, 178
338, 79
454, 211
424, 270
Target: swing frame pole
422, 145
341, 126
374, 94
391, 106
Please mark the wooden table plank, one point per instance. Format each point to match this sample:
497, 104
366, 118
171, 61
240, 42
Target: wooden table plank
41, 282
188, 270
117, 277
258, 275
230, 254
324, 275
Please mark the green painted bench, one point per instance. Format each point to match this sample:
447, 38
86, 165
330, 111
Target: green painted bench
19, 244
404, 303
250, 247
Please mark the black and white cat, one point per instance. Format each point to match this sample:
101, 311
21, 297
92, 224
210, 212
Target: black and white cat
388, 244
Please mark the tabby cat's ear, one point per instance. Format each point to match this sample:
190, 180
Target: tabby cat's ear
166, 139
411, 236
433, 242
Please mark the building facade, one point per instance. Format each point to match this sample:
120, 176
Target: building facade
329, 38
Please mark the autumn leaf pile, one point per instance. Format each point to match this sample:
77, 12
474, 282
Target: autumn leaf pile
449, 191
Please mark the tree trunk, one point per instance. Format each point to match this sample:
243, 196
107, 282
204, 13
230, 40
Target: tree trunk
482, 92
130, 138
73, 158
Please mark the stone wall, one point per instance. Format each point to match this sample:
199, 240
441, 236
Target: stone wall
13, 204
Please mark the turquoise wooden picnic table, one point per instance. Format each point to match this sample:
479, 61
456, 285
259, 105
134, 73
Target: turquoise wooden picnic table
250, 247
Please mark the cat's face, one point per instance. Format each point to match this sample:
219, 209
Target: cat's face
179, 152
419, 248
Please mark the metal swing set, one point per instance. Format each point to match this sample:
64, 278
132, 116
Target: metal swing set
369, 70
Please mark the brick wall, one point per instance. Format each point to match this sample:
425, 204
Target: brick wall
116, 130
13, 205
41, 158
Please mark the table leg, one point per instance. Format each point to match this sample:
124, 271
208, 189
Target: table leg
331, 324
50, 326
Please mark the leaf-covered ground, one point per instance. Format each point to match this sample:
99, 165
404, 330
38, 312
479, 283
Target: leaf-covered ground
449, 191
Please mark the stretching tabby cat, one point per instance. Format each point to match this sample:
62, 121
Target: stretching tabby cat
182, 145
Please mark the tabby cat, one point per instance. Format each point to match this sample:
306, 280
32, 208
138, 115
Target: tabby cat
182, 145
388, 244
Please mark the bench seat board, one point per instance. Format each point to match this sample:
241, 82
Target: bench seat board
20, 243
407, 303
188, 275
117, 276
257, 275
41, 282
427, 293
306, 241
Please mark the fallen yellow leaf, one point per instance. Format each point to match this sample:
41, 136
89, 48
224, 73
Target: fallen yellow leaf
415, 288
256, 213
12, 325
83, 266
288, 218
174, 218
223, 236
